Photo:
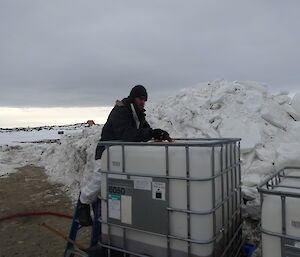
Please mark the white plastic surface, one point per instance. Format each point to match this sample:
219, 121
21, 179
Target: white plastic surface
151, 160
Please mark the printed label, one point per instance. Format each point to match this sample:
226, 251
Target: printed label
142, 183
114, 206
159, 191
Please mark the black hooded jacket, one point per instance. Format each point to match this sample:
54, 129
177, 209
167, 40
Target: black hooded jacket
121, 125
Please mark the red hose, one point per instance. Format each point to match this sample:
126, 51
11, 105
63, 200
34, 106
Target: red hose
24, 214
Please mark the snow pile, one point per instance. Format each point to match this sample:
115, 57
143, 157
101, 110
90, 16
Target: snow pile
268, 124
296, 105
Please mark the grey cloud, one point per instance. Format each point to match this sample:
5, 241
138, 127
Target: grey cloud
79, 53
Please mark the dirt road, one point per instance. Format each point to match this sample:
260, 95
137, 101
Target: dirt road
28, 191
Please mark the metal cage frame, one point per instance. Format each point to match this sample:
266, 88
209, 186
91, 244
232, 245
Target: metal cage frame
232, 242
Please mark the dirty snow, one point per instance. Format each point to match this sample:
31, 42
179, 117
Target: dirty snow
72, 161
269, 126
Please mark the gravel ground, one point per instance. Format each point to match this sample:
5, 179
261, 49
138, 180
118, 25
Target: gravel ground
28, 191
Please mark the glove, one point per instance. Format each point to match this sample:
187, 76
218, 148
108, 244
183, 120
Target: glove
160, 134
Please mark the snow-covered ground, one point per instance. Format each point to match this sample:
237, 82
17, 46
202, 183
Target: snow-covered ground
23, 135
269, 126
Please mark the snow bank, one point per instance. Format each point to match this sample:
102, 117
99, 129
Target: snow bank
72, 161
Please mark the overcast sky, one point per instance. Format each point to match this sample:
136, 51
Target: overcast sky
64, 53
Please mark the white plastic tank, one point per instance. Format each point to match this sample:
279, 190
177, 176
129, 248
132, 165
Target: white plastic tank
271, 219
151, 160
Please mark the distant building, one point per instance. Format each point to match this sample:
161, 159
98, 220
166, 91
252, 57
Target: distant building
90, 122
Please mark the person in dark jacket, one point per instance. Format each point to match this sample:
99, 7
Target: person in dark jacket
126, 122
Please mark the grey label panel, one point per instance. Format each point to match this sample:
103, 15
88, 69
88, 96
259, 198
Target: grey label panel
137, 208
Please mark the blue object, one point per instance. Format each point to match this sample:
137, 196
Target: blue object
74, 229
95, 229
248, 249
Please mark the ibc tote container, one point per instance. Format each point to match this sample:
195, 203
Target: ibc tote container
280, 213
172, 199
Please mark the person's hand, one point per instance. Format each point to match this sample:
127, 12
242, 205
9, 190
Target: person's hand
160, 134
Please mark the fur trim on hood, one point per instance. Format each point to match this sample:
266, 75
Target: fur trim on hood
119, 103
